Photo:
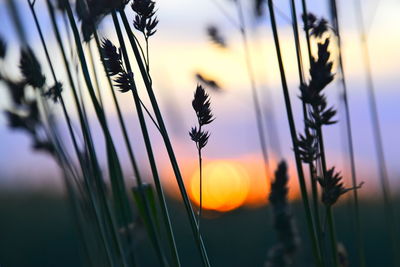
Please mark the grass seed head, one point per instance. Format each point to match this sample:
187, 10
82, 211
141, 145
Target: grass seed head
215, 36
201, 105
333, 187
145, 20
282, 253
31, 69
54, 92
112, 58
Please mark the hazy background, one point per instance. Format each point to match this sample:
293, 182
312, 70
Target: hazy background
179, 50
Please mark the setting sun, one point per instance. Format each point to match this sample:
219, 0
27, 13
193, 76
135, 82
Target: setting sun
225, 186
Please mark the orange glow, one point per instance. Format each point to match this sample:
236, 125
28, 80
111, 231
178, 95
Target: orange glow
225, 186
230, 183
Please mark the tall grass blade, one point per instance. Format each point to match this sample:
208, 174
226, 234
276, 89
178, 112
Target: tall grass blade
382, 169
349, 135
167, 142
303, 188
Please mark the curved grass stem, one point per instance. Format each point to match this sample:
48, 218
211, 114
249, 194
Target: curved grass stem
303, 188
167, 142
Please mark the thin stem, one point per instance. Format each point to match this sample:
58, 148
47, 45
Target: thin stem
332, 235
303, 188
167, 142
200, 179
349, 135
256, 100
307, 30
313, 178
95, 76
383, 173
128, 145
147, 54
101, 228
201, 187
330, 221
118, 186
149, 149
67, 118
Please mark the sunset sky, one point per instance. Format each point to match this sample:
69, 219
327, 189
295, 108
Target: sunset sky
181, 48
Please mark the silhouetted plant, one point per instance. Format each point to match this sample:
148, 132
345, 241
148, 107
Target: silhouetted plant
282, 253
315, 244
31, 69
145, 20
91, 12
207, 82
215, 36
201, 105
333, 187
54, 92
113, 61
308, 147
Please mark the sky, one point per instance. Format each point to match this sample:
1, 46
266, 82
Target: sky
181, 48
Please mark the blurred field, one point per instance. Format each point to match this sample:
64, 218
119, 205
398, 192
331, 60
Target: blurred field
37, 230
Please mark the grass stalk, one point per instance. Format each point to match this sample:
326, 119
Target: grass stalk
349, 135
307, 30
95, 76
256, 99
64, 109
201, 186
329, 213
167, 142
311, 167
97, 193
383, 173
129, 237
59, 150
122, 205
303, 188
146, 137
332, 235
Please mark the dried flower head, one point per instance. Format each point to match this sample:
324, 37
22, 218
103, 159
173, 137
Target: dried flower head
124, 81
25, 118
199, 137
207, 82
321, 75
31, 69
113, 61
308, 148
112, 58
321, 115
317, 27
309, 20
145, 20
201, 105
215, 36
91, 12
54, 92
321, 69
16, 89
282, 253
333, 188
